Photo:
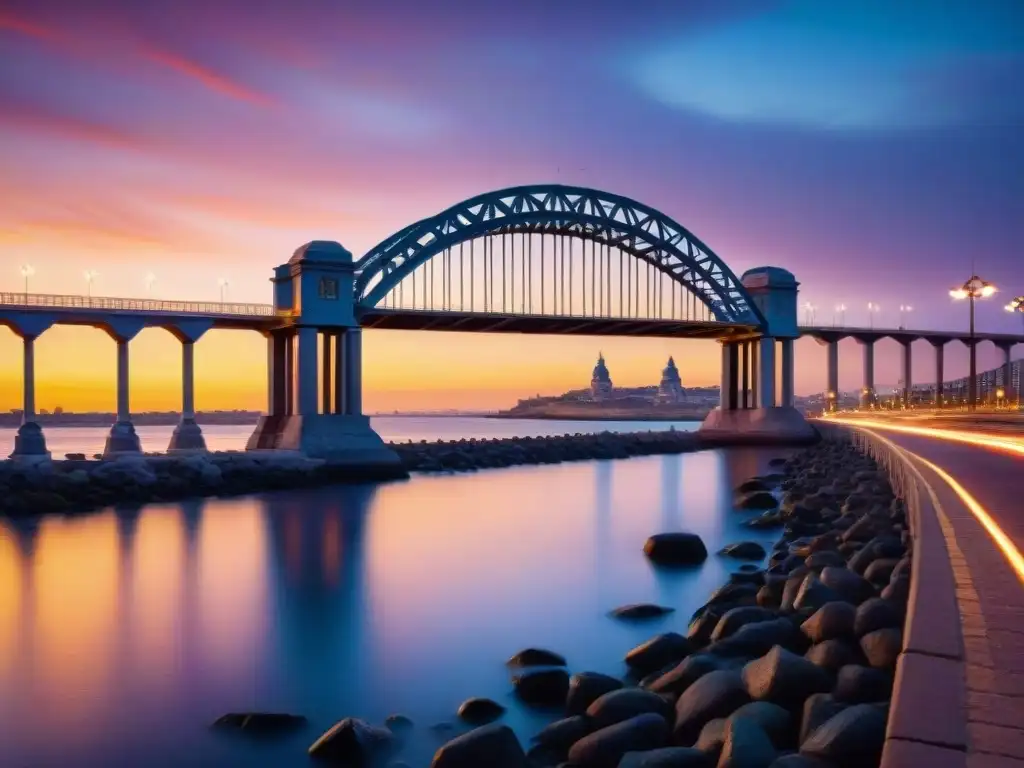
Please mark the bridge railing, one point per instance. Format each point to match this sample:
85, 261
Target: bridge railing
57, 301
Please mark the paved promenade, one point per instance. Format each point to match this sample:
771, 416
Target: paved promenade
989, 591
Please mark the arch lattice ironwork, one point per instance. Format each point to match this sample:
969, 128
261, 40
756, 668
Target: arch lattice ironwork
589, 214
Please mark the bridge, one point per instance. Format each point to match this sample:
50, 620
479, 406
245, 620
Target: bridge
544, 259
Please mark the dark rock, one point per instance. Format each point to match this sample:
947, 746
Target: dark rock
480, 711
800, 761
832, 620
757, 500
834, 654
735, 618
587, 687
850, 586
812, 594
817, 561
766, 520
542, 686
668, 757
676, 549
605, 748
757, 639
732, 595
882, 647
876, 613
784, 678
703, 626
753, 484
746, 550
536, 657
560, 735
716, 694
747, 575
397, 723
658, 652
850, 739
817, 709
745, 745
686, 673
856, 684
639, 611
775, 721
880, 571
625, 704
494, 745
259, 723
712, 737
897, 591
352, 742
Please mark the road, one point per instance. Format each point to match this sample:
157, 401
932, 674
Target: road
978, 477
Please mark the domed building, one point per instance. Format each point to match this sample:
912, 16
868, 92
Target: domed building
601, 381
670, 390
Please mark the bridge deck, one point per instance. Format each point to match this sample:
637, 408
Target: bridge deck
990, 592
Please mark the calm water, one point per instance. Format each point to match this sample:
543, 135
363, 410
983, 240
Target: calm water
122, 635
90, 440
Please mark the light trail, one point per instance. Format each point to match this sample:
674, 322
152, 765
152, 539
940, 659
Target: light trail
981, 440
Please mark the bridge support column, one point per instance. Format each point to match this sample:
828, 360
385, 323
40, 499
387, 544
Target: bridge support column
767, 383
940, 349
867, 397
277, 374
29, 443
339, 372
306, 371
745, 375
290, 408
122, 440
326, 382
187, 435
354, 372
788, 369
832, 396
754, 389
1007, 371
908, 373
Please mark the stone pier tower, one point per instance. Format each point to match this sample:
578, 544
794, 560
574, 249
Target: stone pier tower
314, 363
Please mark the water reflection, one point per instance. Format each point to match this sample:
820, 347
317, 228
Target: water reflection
128, 631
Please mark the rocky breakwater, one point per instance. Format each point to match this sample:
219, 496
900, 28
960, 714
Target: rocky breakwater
790, 665
472, 454
83, 485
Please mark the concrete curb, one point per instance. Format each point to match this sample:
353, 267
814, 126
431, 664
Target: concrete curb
928, 713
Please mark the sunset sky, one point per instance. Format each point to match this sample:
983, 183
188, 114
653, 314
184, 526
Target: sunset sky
873, 147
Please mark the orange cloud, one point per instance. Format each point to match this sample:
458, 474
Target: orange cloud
207, 77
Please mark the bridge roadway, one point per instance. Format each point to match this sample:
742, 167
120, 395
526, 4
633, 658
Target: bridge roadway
989, 574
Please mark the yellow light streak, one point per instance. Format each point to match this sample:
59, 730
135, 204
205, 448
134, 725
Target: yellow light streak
979, 439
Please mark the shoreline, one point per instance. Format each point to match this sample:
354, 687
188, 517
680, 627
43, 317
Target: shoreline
697, 418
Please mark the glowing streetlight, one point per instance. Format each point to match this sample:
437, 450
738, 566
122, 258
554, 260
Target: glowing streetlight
150, 279
841, 311
974, 288
223, 283
1016, 305
809, 309
90, 276
873, 309
27, 270
905, 309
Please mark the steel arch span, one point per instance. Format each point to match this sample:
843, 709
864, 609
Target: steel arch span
578, 212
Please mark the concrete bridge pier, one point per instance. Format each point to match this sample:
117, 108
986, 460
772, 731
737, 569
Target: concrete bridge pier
188, 436
940, 350
122, 440
867, 395
315, 364
1007, 371
833, 375
908, 372
29, 442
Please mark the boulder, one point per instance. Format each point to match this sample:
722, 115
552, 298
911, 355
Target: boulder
882, 647
812, 594
480, 711
557, 738
398, 723
744, 550
686, 673
542, 686
834, 654
753, 484
897, 591
658, 652
605, 748
757, 500
587, 687
818, 708
712, 738
536, 657
260, 723
776, 722
627, 703
856, 684
848, 585
832, 620
735, 618
784, 678
757, 639
880, 571
850, 739
668, 757
352, 742
676, 548
800, 761
640, 611
818, 561
876, 613
745, 745
716, 694
494, 745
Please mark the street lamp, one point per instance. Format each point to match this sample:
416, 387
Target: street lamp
872, 310
26, 272
90, 276
841, 311
1017, 305
150, 279
809, 309
905, 309
223, 283
974, 288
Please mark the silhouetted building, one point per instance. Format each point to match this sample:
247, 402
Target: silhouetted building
670, 390
601, 381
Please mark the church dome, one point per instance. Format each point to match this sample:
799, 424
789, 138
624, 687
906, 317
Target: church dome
601, 370
670, 371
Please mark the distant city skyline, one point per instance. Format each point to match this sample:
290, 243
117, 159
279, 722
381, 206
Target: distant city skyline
878, 158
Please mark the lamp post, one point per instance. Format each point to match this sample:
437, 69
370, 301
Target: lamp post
223, 283
809, 309
872, 310
150, 279
26, 272
90, 276
905, 309
974, 288
841, 311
